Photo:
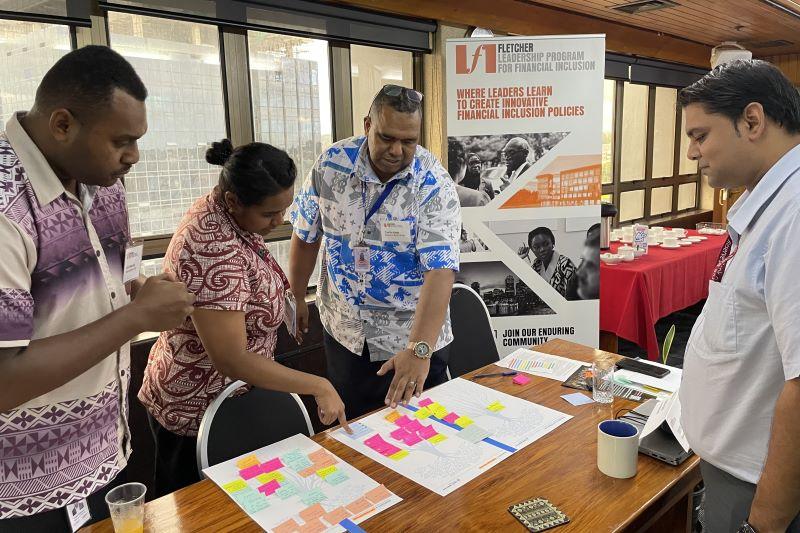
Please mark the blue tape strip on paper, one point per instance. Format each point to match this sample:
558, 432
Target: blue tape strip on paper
351, 526
487, 440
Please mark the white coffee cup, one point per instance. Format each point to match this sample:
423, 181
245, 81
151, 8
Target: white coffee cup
670, 241
679, 232
652, 239
628, 253
617, 448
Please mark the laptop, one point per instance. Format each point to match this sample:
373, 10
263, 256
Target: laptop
661, 444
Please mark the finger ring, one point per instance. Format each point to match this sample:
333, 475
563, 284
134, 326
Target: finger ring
412, 383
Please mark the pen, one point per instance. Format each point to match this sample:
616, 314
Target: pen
512, 373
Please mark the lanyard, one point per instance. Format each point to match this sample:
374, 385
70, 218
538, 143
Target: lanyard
379, 202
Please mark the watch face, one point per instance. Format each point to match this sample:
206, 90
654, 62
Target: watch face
422, 349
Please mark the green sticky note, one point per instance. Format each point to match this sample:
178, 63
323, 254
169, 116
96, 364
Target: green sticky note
296, 460
336, 477
313, 496
287, 490
251, 500
234, 486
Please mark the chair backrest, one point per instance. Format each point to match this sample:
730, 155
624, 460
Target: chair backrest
234, 425
473, 343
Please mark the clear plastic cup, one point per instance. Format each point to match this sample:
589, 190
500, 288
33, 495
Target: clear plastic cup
603, 380
126, 505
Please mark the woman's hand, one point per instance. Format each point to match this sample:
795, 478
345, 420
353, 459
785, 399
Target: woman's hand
330, 407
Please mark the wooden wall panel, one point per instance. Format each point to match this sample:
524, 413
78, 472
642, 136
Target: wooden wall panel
789, 64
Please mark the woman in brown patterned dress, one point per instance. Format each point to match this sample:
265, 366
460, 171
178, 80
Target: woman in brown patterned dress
219, 253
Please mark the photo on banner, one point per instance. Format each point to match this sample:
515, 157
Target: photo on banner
524, 125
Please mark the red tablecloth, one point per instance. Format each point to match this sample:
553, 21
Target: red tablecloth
633, 296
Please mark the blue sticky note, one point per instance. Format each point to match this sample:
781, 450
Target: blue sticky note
287, 490
313, 496
336, 478
359, 430
576, 398
296, 460
251, 500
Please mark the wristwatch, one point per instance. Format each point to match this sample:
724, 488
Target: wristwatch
746, 528
421, 349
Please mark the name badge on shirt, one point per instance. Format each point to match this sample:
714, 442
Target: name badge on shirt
290, 315
361, 253
78, 514
133, 261
396, 230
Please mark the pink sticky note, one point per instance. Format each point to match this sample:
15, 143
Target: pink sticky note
451, 418
402, 421
376, 442
250, 472
521, 379
411, 439
271, 465
269, 488
424, 402
399, 434
413, 426
426, 432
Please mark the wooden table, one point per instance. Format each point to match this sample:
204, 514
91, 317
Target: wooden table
561, 466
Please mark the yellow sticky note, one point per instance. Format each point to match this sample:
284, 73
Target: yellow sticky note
496, 406
266, 478
391, 417
463, 421
438, 410
246, 462
436, 439
399, 455
422, 413
234, 486
322, 472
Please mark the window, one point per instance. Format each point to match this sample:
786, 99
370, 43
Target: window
179, 63
634, 132
372, 68
27, 51
609, 97
664, 132
290, 88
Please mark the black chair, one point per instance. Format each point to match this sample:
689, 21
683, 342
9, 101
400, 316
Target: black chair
473, 343
234, 425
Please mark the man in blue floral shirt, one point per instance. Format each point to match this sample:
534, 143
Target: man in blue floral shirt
388, 217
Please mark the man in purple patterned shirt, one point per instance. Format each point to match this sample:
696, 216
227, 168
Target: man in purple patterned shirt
65, 316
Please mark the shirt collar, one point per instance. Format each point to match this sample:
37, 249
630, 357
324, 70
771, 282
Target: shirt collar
751, 203
44, 181
363, 168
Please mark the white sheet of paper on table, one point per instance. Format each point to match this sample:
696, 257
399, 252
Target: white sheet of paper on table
540, 364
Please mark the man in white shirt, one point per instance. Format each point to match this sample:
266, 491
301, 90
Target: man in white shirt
740, 388
516, 154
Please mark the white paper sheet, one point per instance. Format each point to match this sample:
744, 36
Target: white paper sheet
540, 364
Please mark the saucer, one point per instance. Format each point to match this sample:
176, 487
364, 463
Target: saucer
670, 247
685, 242
694, 239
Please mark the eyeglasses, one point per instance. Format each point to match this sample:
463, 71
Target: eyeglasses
396, 90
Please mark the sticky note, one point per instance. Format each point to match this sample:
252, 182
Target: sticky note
413, 426
398, 455
576, 398
402, 421
250, 500
286, 491
424, 402
438, 410
311, 512
411, 439
496, 406
235, 485
336, 477
521, 379
266, 478
268, 489
313, 496
350, 526
451, 418
399, 434
474, 433
378, 494
436, 439
358, 506
244, 462
271, 465
310, 471
296, 460
336, 516
290, 526
391, 417
322, 472
423, 413
391, 450
377, 443
463, 421
359, 430
313, 526
426, 432
250, 472
320, 456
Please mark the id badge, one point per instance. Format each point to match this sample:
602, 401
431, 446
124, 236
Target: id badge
78, 514
396, 230
133, 261
290, 314
361, 253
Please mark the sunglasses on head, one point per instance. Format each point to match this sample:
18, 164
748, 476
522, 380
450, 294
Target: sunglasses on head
396, 90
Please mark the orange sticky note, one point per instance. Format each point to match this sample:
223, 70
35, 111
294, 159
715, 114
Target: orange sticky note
309, 513
391, 417
336, 516
290, 526
310, 471
244, 462
319, 456
313, 526
378, 494
359, 506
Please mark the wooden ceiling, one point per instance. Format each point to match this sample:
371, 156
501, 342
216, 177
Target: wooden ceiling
683, 33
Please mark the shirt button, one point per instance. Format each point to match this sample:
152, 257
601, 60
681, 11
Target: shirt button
113, 294
97, 253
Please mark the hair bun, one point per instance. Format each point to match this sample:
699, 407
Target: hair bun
219, 152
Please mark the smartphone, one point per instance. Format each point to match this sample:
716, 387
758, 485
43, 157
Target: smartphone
642, 368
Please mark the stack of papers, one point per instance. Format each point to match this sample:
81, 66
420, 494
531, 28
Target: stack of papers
665, 386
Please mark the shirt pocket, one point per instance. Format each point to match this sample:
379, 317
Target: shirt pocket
719, 332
